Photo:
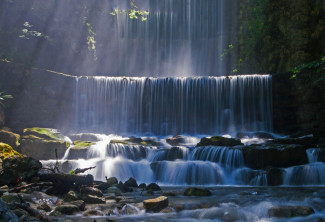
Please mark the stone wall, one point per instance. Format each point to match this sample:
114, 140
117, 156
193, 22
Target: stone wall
299, 103
41, 98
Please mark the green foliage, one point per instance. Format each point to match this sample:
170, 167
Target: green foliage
91, 42
26, 33
133, 13
4, 97
319, 65
72, 172
227, 51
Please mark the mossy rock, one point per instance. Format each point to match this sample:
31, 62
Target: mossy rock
6, 136
80, 145
44, 133
137, 141
7, 151
193, 191
219, 141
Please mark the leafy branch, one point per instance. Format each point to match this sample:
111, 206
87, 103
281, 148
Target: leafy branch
133, 13
4, 97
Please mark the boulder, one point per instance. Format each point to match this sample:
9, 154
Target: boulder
90, 199
9, 138
79, 203
45, 207
114, 191
91, 191
131, 183
6, 151
43, 143
84, 137
290, 211
93, 212
11, 198
17, 168
153, 187
170, 154
142, 186
112, 181
137, 141
122, 187
6, 214
67, 209
176, 140
79, 149
156, 204
274, 155
193, 191
70, 196
219, 141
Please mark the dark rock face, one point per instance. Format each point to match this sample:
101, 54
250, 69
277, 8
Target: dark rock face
171, 154
6, 214
307, 141
274, 155
219, 141
176, 140
275, 176
156, 205
16, 168
290, 211
193, 191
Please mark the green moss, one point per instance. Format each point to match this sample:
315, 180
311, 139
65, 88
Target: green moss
7, 151
219, 141
120, 141
79, 145
136, 141
42, 132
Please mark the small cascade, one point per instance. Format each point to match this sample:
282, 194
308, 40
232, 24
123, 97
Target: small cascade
230, 158
315, 155
171, 106
310, 174
133, 152
187, 172
245, 176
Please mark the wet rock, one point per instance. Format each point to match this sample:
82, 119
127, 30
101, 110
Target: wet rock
219, 141
16, 168
148, 193
275, 176
153, 187
290, 211
70, 196
90, 199
129, 209
171, 154
131, 183
274, 155
171, 194
93, 212
45, 207
156, 204
7, 151
142, 186
123, 188
6, 214
167, 210
20, 213
307, 141
193, 191
137, 141
79, 203
67, 209
112, 181
102, 186
176, 140
84, 137
91, 191
9, 138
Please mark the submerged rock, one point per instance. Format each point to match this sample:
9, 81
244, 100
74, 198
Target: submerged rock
274, 155
156, 204
219, 141
176, 140
193, 191
290, 211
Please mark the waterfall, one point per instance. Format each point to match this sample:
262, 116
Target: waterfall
183, 37
180, 105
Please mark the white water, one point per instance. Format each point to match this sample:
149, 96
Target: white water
171, 106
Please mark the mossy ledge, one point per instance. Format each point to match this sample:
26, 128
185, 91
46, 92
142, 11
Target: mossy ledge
80, 145
7, 151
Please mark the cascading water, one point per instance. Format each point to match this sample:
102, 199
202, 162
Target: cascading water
182, 105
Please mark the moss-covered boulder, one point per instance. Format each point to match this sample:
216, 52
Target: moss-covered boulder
274, 155
137, 141
156, 204
219, 141
79, 149
43, 143
7, 151
290, 211
6, 136
193, 191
